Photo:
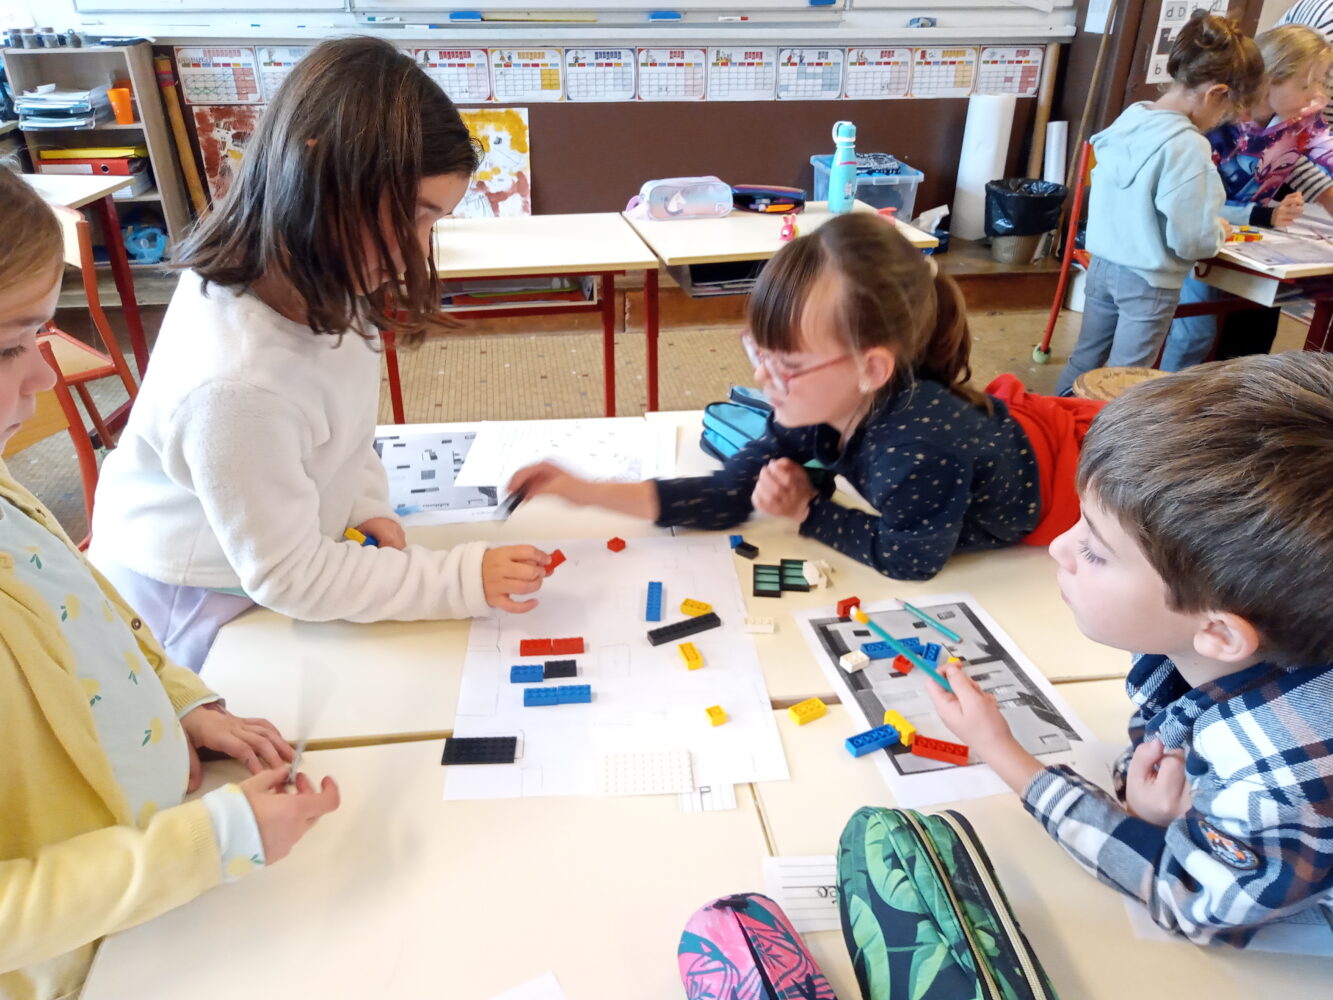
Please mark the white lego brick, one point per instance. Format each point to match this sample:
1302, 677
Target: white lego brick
647, 772
811, 573
853, 661
760, 625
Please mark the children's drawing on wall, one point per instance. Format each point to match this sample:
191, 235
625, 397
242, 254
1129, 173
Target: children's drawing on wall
223, 131
503, 182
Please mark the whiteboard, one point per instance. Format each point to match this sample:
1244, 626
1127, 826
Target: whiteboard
442, 9
188, 6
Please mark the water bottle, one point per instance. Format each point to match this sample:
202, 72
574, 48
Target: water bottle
842, 174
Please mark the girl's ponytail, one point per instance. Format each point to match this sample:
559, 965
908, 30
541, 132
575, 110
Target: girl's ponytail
946, 354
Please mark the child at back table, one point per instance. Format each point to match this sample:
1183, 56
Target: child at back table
249, 451
863, 348
1205, 546
1156, 201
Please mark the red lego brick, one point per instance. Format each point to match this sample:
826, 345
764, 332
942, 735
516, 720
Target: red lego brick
902, 664
557, 557
845, 606
950, 753
574, 645
535, 647
616, 544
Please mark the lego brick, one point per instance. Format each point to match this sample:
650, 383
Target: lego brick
931, 652
846, 604
716, 715
793, 575
694, 608
535, 647
647, 772
574, 694
906, 731
691, 655
767, 581
876, 650
565, 647
913, 643
536, 697
853, 661
950, 753
653, 609
558, 669
902, 664
807, 711
746, 550
557, 557
758, 625
873, 739
683, 629
480, 750
616, 545
812, 575
735, 540
526, 673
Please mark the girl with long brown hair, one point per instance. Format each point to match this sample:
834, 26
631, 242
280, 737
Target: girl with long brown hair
249, 451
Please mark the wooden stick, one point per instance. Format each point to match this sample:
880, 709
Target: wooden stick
1094, 85
1045, 97
166, 80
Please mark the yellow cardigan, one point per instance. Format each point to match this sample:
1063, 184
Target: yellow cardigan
74, 867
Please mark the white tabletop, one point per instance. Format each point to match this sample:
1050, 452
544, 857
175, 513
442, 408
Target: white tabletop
538, 244
74, 190
1077, 926
742, 235
400, 894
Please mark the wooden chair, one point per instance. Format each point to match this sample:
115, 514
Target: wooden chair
79, 363
56, 412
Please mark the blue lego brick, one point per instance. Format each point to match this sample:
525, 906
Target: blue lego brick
931, 652
735, 540
534, 697
653, 611
871, 740
525, 673
912, 643
574, 694
877, 650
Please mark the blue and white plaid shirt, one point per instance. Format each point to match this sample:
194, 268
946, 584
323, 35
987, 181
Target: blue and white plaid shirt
1257, 844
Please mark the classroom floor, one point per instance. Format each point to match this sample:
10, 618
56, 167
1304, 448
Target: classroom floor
532, 376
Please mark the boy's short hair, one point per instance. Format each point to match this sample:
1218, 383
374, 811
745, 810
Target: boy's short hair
1224, 475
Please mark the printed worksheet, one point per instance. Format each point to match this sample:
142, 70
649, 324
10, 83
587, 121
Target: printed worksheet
810, 74
672, 74
523, 76
599, 74
742, 74
878, 73
463, 74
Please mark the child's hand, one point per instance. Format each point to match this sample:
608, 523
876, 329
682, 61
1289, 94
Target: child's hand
283, 817
386, 531
1288, 210
1156, 787
256, 743
1227, 229
546, 478
513, 569
970, 713
783, 490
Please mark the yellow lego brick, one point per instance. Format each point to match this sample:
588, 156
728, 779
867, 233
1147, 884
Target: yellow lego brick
807, 711
692, 657
694, 608
716, 716
351, 534
906, 731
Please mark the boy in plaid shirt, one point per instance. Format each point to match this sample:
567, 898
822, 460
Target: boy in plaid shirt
1207, 543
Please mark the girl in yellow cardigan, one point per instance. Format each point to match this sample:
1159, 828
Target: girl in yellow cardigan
100, 730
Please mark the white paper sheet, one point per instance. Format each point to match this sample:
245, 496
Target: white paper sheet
1039, 717
990, 117
643, 697
545, 987
806, 887
1307, 933
422, 464
623, 449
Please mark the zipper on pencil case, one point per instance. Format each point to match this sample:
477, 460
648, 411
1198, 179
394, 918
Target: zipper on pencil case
981, 865
990, 990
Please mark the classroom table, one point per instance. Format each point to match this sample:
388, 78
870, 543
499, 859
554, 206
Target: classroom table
1231, 272
597, 244
1077, 926
76, 191
401, 894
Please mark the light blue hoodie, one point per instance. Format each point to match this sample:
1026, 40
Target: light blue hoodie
1156, 196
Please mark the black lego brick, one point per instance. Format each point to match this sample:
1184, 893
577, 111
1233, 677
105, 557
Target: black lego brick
683, 629
555, 669
747, 550
480, 750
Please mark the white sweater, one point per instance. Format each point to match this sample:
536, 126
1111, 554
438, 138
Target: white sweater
248, 453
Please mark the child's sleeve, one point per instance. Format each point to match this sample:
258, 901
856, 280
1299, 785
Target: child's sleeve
722, 500
1190, 212
1210, 878
373, 499
242, 451
84, 888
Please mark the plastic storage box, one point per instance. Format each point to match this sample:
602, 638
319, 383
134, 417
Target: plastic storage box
879, 190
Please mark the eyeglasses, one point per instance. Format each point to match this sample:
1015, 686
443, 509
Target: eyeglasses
780, 374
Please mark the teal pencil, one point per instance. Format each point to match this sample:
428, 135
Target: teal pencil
901, 650
943, 630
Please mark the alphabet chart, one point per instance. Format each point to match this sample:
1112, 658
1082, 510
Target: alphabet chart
810, 74
599, 74
1172, 18
873, 73
527, 75
944, 72
275, 64
742, 74
463, 74
1010, 69
672, 74
219, 75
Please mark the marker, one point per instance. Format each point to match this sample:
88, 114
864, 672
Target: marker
901, 650
664, 15
943, 630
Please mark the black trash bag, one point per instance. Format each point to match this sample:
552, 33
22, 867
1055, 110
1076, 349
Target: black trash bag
1023, 206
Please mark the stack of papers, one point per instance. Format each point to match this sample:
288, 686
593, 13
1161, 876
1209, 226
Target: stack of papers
51, 107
